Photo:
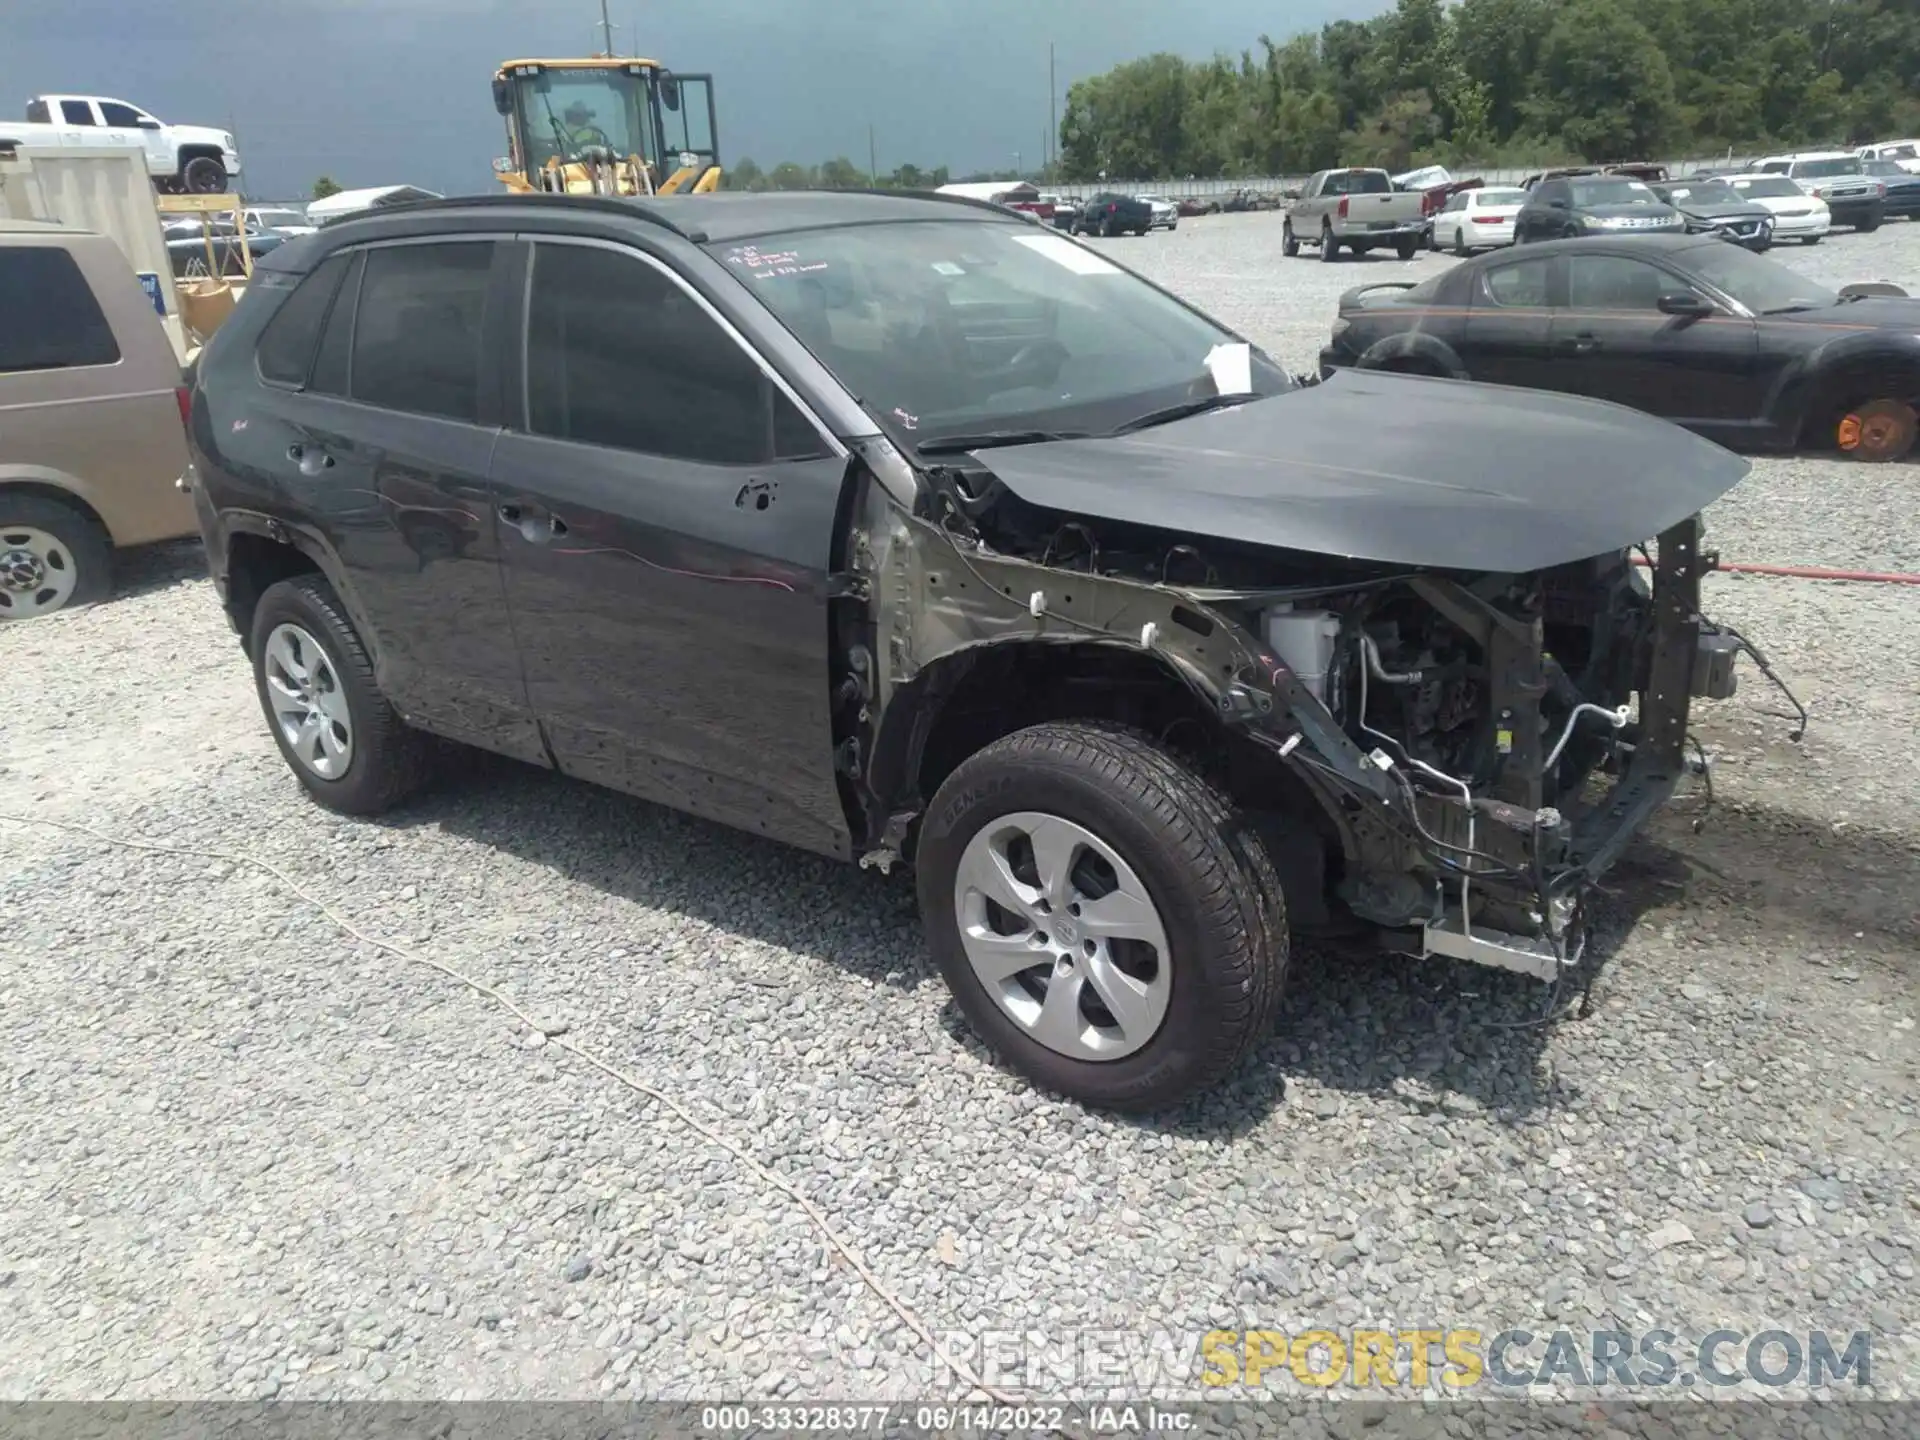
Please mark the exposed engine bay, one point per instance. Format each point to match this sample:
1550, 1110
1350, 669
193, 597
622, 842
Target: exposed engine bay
1448, 730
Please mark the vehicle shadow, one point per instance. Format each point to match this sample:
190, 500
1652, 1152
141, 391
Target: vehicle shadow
1434, 1036
162, 566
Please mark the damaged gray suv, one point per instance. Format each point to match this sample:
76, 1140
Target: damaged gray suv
908, 531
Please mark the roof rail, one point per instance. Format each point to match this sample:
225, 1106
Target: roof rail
631, 206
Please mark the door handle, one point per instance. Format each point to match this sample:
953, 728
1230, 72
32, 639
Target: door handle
310, 458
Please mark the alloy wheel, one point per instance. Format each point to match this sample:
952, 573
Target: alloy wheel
1063, 936
308, 703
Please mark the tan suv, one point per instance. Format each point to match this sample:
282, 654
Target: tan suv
91, 440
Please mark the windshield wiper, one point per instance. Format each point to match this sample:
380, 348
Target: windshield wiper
1183, 410
988, 439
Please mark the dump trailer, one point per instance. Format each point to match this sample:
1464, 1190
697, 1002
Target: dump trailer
606, 126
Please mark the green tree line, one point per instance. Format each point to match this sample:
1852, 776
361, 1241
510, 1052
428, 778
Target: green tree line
836, 174
1513, 81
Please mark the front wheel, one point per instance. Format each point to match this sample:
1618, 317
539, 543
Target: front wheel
1879, 430
1810, 239
1869, 225
1105, 921
1406, 248
53, 556
341, 737
203, 175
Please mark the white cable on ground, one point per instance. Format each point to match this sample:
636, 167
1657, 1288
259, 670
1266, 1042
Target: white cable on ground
555, 1034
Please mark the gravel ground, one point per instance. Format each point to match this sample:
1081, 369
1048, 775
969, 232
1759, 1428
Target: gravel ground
243, 1154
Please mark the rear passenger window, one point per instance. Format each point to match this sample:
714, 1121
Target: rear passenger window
1521, 284
287, 344
76, 112
416, 334
49, 319
620, 355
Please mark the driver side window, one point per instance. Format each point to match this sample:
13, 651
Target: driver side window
1614, 282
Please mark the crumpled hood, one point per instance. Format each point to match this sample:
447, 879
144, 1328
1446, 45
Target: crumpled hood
1722, 209
1398, 469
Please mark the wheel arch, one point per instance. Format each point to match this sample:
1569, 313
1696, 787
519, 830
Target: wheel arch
49, 485
1844, 373
258, 553
1413, 352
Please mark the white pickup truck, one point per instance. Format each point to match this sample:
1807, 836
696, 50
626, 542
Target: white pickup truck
1359, 209
188, 158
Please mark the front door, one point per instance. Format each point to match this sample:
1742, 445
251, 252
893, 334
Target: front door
387, 443
669, 521
1613, 342
1507, 336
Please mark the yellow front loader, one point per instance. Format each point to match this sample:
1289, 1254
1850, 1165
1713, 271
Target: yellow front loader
606, 126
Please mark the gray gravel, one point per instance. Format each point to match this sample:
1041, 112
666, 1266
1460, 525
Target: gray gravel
242, 1154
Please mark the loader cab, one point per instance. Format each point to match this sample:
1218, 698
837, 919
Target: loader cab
608, 125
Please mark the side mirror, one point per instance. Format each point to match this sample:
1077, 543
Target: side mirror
502, 97
670, 92
1684, 304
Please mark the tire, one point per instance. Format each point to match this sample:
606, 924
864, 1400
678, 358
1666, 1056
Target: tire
1289, 242
387, 760
1877, 431
1206, 880
53, 557
1811, 239
1460, 242
1106, 228
1406, 249
1868, 226
1329, 247
203, 175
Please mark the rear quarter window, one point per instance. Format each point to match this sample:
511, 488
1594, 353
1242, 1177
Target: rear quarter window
49, 319
287, 344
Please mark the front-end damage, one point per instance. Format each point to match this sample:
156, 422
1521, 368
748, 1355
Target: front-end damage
1435, 735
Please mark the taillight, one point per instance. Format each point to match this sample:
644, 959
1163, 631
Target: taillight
1490, 219
1113, 209
1342, 211
185, 398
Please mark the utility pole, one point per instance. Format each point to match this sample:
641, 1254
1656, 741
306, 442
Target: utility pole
873, 165
606, 29
1053, 111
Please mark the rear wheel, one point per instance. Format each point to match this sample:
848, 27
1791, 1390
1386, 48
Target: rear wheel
1460, 242
1105, 921
1878, 430
1289, 242
1329, 247
1868, 225
1405, 249
53, 556
1810, 239
342, 738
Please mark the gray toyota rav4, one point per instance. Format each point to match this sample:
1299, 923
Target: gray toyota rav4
910, 531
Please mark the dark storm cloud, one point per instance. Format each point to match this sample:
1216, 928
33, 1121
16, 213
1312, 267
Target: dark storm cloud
381, 91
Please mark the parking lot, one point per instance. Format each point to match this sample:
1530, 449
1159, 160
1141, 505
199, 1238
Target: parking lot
243, 1153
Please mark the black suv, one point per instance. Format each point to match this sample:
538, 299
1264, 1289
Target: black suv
1109, 213
906, 529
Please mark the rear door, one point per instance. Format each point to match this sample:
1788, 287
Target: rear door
1509, 327
669, 523
382, 439
1613, 342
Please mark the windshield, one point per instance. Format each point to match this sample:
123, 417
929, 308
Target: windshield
1358, 182
1900, 152
1821, 169
1612, 192
963, 327
1763, 286
1771, 187
569, 112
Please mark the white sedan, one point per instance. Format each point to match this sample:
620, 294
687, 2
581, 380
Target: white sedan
1797, 214
1166, 215
1477, 220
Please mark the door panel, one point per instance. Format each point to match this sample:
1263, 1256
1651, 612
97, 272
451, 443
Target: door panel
1508, 330
671, 608
1612, 342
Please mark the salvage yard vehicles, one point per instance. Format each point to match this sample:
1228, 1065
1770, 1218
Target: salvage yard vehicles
1713, 207
907, 530
1855, 198
1358, 209
187, 159
1904, 153
1902, 186
1477, 220
1797, 215
1110, 213
1560, 209
1734, 346
91, 403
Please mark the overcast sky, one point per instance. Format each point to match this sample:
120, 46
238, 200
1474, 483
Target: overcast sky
378, 92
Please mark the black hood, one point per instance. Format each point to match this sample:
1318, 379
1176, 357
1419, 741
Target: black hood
1398, 469
1661, 211
1722, 209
